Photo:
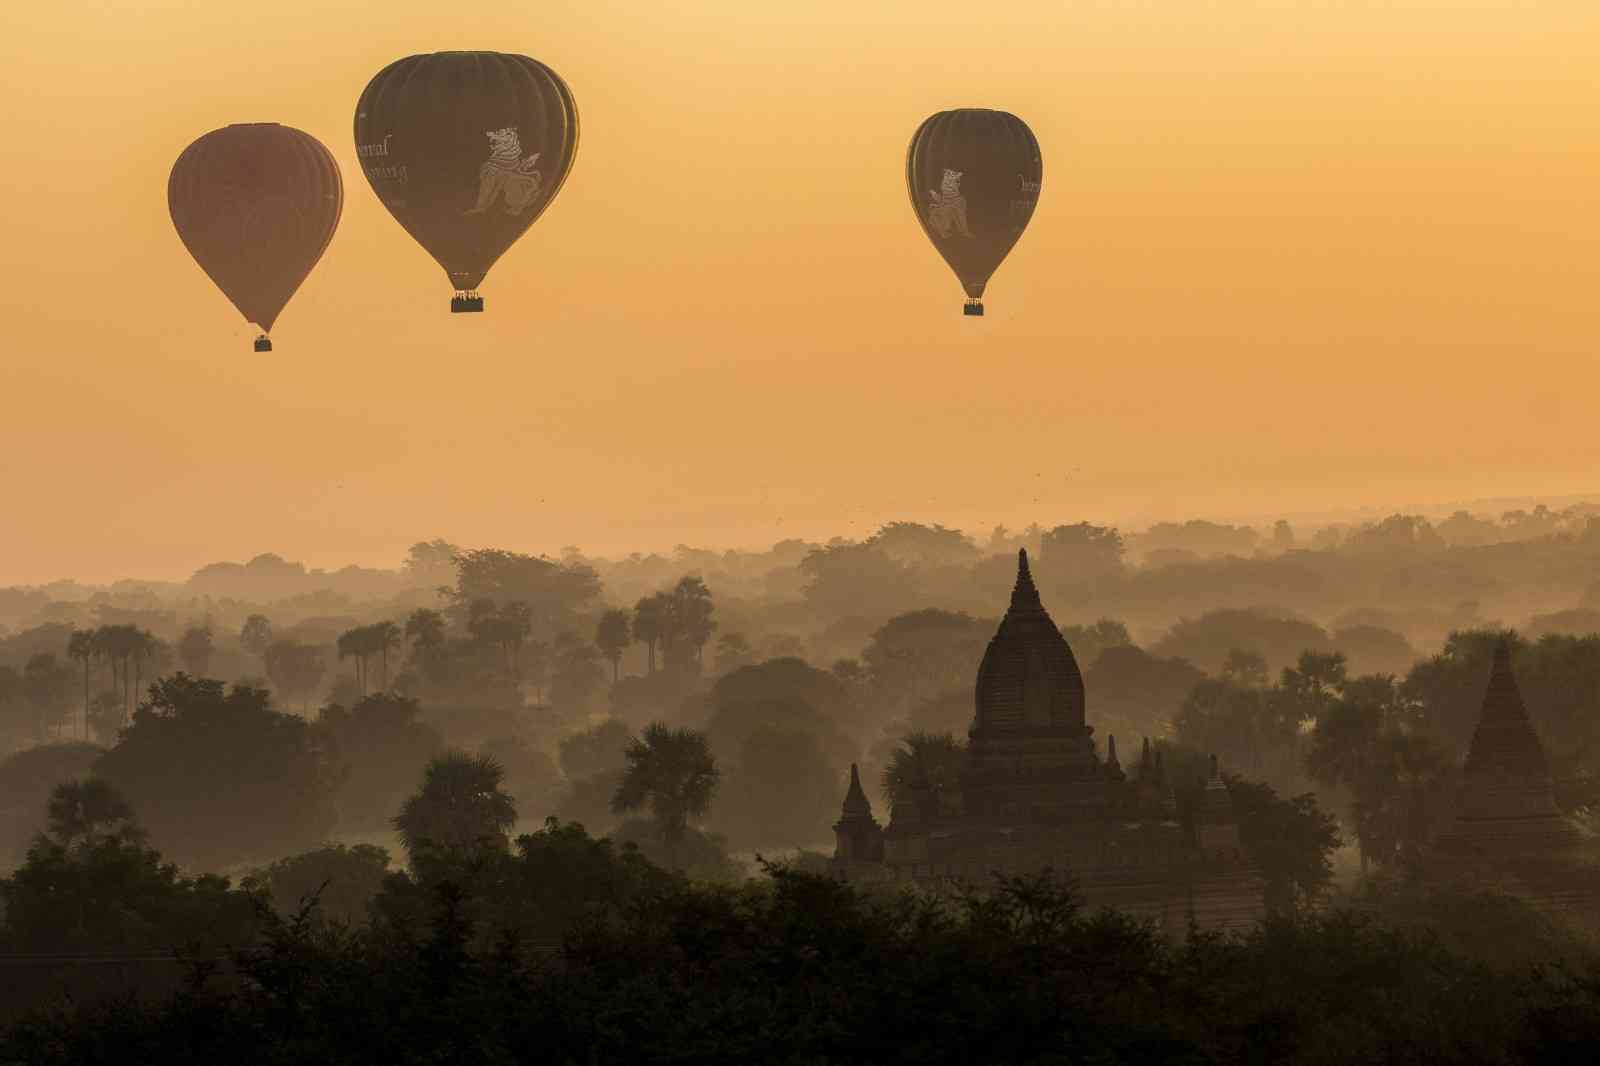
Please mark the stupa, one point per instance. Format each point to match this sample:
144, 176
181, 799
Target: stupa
1035, 794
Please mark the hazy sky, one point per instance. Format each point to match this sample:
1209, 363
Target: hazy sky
1288, 255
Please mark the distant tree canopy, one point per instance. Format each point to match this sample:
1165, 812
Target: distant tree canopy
343, 881
91, 884
27, 779
1206, 641
921, 654
928, 546
252, 782
556, 593
1081, 554
1134, 693
378, 749
842, 578
596, 750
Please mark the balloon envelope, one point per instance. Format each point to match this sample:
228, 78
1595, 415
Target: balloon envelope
256, 205
974, 178
466, 150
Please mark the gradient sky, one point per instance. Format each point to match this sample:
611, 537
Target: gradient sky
1288, 256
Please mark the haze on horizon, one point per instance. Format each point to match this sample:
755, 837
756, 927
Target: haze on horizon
1288, 257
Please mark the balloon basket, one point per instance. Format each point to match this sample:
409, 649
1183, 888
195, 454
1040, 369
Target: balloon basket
465, 304
973, 307
263, 344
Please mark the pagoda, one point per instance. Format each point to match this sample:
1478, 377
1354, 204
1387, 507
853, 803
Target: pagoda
1509, 835
1034, 794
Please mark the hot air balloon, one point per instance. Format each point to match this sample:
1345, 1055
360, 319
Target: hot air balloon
974, 177
256, 204
466, 150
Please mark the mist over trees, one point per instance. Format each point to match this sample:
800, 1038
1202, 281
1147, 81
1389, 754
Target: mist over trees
546, 736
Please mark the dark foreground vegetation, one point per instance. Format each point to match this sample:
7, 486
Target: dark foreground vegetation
798, 968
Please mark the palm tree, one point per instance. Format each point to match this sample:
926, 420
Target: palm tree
672, 772
381, 637
925, 760
357, 644
127, 646
516, 624
459, 807
612, 638
647, 619
81, 646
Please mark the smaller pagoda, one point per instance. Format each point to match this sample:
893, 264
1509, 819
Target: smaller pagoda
1509, 835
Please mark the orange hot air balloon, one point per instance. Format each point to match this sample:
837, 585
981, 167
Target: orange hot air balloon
974, 178
466, 150
256, 204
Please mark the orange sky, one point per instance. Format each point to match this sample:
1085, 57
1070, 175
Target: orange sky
1288, 256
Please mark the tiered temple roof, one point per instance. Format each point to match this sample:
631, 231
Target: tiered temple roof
1034, 794
1029, 679
1507, 795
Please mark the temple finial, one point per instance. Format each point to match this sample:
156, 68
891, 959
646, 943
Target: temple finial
855, 798
1025, 594
1111, 750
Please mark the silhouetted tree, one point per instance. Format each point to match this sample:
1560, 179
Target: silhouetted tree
686, 624
576, 677
460, 807
295, 669
920, 654
82, 648
671, 772
598, 749
87, 811
253, 781
384, 637
256, 635
343, 881
379, 746
648, 616
554, 592
1245, 668
357, 644
1082, 553
194, 650
47, 685
27, 779
612, 637
931, 759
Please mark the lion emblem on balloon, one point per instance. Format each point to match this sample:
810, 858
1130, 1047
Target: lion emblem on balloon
507, 178
947, 206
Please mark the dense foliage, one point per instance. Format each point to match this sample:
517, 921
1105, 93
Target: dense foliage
803, 969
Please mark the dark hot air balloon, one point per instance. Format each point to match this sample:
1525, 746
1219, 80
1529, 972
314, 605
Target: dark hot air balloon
256, 204
466, 150
974, 178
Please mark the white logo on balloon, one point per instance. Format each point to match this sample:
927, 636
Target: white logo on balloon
507, 177
947, 208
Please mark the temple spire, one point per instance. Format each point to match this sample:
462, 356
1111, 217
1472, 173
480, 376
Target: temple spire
856, 804
1111, 751
1025, 595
